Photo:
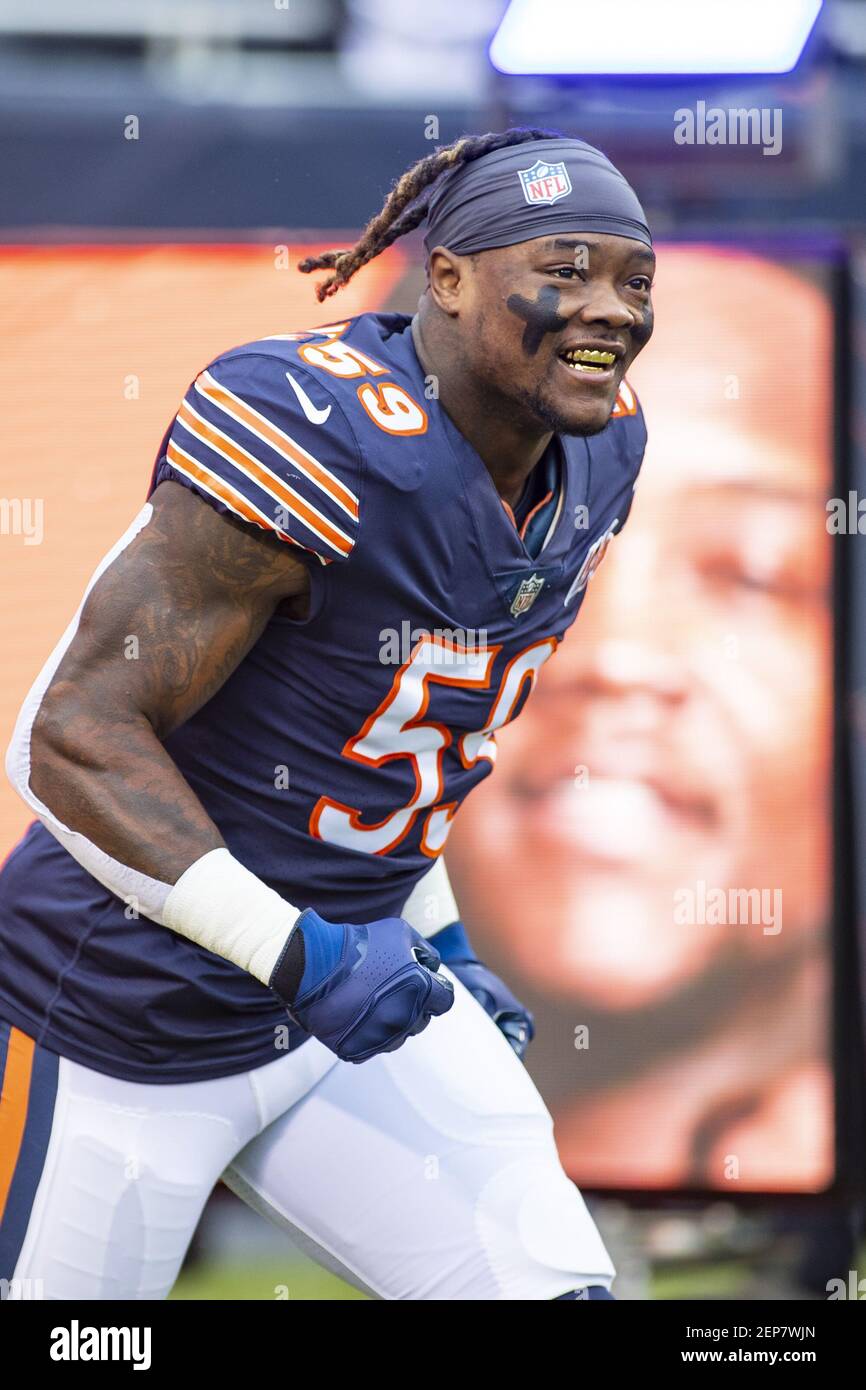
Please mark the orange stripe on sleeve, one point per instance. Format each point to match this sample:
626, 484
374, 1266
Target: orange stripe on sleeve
269, 482
283, 443
218, 487
221, 489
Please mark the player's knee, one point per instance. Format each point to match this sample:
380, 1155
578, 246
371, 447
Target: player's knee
537, 1232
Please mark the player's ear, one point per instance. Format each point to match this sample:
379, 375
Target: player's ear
446, 273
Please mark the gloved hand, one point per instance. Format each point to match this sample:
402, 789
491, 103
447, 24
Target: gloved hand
510, 1016
360, 989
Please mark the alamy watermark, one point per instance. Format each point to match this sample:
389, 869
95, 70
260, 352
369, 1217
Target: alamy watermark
22, 1289
449, 645
705, 906
735, 125
846, 516
23, 516
77, 1343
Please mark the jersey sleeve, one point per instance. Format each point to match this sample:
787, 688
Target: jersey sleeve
244, 440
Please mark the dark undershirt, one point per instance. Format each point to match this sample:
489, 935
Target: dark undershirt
539, 499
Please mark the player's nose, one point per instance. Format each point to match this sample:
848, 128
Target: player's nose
604, 305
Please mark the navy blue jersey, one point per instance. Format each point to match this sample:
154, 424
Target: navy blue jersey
335, 757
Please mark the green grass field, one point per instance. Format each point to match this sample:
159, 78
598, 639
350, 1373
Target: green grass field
262, 1280
304, 1282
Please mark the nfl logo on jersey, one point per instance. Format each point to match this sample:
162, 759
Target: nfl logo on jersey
544, 183
526, 595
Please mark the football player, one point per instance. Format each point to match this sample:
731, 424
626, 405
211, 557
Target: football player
229, 944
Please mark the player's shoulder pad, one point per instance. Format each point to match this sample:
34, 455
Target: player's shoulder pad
368, 364
261, 437
628, 410
627, 433
626, 428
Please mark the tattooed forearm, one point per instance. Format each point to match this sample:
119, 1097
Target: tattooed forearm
162, 630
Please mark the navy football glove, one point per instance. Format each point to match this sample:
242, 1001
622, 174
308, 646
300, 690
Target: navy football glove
360, 989
510, 1016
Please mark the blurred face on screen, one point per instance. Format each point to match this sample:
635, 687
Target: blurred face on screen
680, 735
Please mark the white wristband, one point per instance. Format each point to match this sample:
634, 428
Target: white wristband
225, 908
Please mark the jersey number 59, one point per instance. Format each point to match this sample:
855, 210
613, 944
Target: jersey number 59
400, 728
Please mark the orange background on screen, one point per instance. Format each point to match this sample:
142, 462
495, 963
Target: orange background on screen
80, 321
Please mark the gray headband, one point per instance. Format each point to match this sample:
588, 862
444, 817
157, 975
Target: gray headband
531, 190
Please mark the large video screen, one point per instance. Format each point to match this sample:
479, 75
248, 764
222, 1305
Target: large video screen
650, 864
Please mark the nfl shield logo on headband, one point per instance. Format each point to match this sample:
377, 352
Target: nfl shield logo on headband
544, 183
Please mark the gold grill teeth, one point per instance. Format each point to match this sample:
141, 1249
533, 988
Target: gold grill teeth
590, 355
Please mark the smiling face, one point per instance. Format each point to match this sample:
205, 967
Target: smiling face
549, 327
682, 731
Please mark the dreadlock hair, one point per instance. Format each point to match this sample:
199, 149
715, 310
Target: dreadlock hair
406, 205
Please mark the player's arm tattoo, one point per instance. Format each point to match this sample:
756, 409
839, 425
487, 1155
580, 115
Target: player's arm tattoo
162, 630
